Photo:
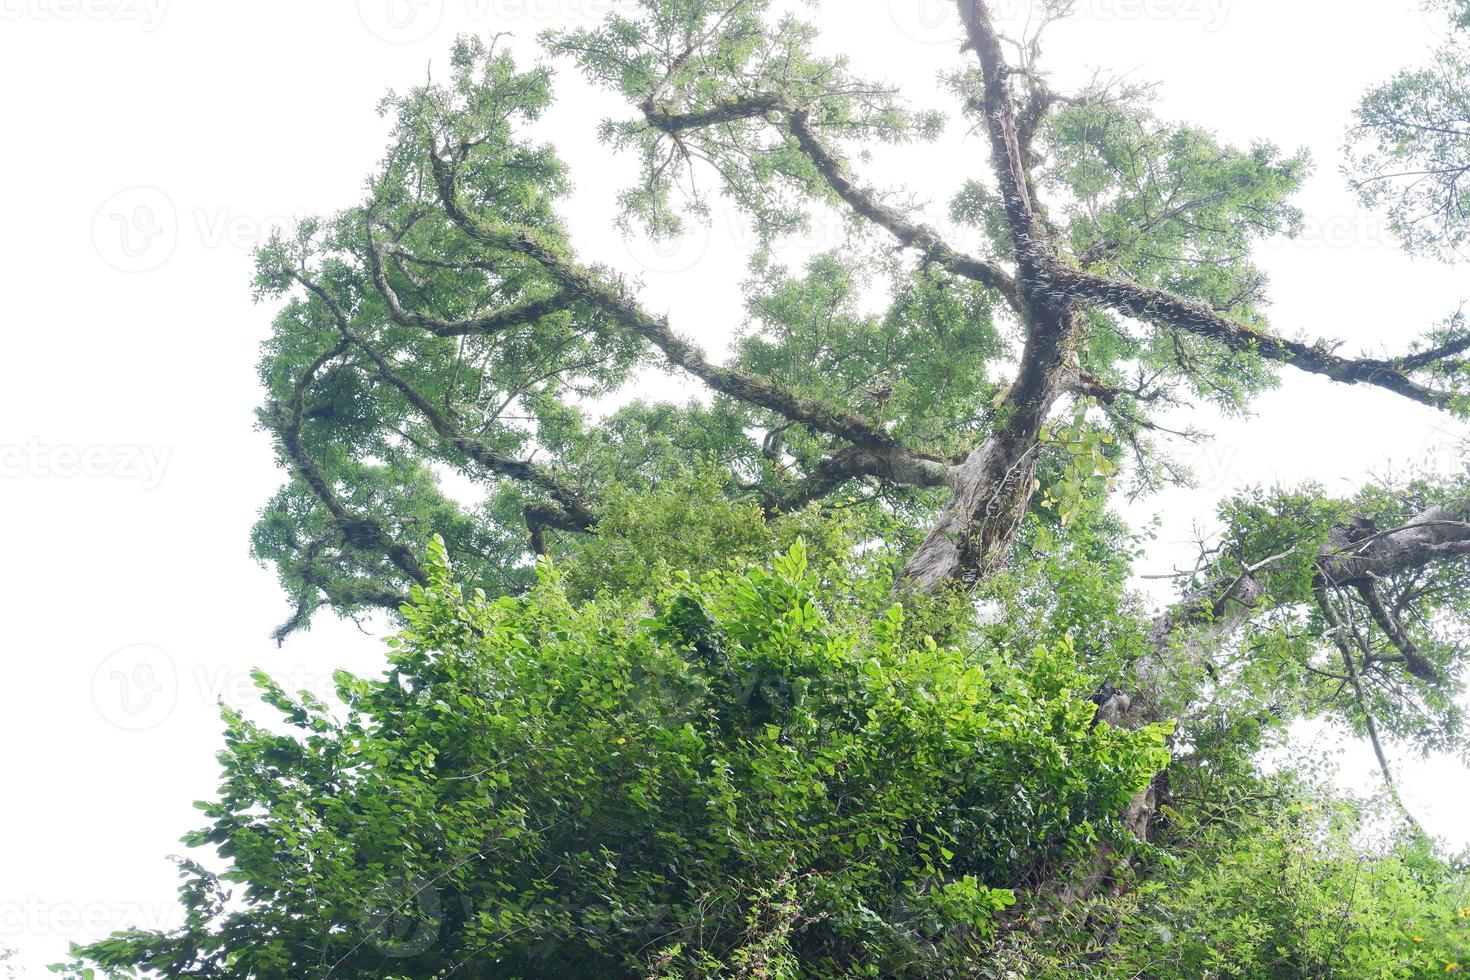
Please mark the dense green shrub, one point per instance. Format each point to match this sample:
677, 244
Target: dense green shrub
739, 783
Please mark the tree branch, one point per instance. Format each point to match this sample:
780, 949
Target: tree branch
1414, 660
1169, 310
572, 503
1338, 633
357, 531
581, 282
902, 468
508, 318
835, 172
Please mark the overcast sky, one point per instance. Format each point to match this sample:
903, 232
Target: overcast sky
149, 144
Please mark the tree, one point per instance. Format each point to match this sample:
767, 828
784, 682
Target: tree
945, 462
448, 323
1412, 146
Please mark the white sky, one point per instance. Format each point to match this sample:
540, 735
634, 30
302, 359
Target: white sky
152, 142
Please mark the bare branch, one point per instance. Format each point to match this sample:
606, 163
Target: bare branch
1338, 633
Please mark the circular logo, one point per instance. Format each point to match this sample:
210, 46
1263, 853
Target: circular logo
405, 919
1443, 450
136, 230
674, 254
1441, 18
400, 21
927, 21
136, 688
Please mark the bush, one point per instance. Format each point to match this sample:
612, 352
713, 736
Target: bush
744, 784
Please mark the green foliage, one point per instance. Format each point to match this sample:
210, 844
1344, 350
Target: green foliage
703, 55
918, 368
747, 780
1276, 881
1410, 150
1168, 205
1285, 664
615, 742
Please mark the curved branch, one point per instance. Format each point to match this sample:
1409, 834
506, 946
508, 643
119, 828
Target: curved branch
357, 531
912, 234
572, 502
904, 469
581, 282
508, 318
835, 172
1166, 309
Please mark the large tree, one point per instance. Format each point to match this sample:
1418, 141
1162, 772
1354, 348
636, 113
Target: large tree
447, 325
445, 368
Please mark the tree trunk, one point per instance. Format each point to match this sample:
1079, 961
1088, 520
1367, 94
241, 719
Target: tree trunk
993, 487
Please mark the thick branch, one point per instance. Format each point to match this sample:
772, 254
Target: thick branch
357, 531
902, 468
500, 321
581, 282
1169, 310
1007, 156
1414, 660
572, 503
